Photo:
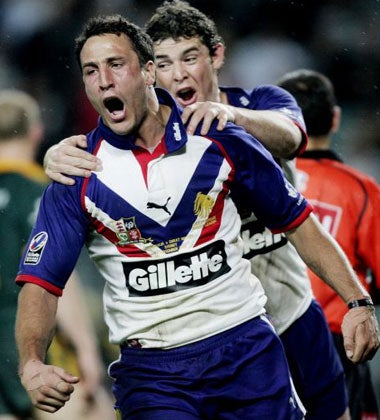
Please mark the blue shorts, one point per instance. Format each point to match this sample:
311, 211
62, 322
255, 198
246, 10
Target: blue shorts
239, 374
315, 365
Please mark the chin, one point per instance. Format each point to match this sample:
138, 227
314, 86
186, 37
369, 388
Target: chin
120, 128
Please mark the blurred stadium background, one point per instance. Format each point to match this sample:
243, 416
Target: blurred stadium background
264, 38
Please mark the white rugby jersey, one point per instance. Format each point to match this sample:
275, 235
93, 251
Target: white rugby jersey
273, 258
163, 230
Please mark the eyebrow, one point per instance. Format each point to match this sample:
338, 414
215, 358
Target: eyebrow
190, 49
108, 60
89, 64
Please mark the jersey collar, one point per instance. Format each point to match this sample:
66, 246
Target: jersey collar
321, 154
175, 133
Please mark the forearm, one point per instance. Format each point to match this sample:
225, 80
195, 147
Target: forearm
74, 320
276, 132
35, 323
326, 259
324, 256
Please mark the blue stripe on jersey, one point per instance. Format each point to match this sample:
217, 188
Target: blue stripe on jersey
210, 166
202, 181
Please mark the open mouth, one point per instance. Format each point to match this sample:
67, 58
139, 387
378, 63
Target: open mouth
114, 105
186, 94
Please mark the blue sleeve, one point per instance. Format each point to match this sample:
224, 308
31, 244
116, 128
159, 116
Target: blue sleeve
259, 184
270, 98
56, 240
275, 98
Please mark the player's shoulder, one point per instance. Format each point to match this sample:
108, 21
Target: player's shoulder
256, 96
236, 141
355, 173
230, 134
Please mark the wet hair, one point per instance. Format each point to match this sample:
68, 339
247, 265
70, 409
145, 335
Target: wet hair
118, 25
177, 19
18, 113
315, 95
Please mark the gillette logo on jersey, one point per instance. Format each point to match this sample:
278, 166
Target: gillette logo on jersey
260, 240
148, 278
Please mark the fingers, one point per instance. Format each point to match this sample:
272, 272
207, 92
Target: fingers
369, 329
349, 346
361, 349
205, 112
361, 334
60, 178
74, 157
359, 344
194, 116
77, 141
48, 387
63, 160
222, 121
51, 398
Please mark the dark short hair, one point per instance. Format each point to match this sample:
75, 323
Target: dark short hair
315, 95
177, 19
116, 24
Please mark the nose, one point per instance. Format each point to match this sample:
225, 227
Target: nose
179, 72
105, 79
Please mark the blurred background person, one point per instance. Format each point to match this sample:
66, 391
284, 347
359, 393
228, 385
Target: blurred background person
347, 204
22, 182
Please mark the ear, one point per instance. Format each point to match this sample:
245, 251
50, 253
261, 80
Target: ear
218, 56
337, 113
36, 133
149, 71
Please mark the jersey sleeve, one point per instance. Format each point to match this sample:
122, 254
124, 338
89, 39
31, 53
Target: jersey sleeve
259, 184
274, 98
56, 239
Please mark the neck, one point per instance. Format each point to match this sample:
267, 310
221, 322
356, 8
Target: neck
153, 128
17, 149
318, 143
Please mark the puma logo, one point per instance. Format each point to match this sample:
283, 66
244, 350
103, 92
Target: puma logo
151, 205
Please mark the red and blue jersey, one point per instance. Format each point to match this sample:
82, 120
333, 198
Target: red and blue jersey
163, 228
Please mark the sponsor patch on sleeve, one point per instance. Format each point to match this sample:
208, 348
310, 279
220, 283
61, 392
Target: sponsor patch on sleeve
36, 248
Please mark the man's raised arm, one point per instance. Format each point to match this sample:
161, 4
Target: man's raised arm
68, 158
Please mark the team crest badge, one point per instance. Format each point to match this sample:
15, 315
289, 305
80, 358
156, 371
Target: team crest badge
127, 231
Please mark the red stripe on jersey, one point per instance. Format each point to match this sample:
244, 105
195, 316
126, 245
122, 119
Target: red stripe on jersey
27, 278
209, 231
129, 250
304, 141
296, 222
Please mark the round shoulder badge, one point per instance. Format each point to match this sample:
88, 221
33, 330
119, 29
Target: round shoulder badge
36, 247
